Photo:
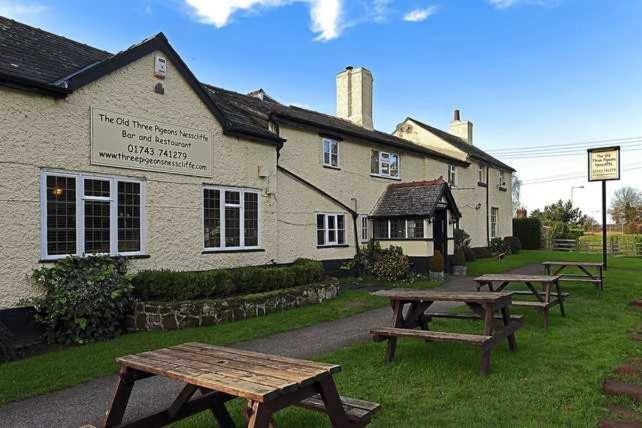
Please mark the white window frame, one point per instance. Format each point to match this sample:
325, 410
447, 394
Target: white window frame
494, 218
330, 142
364, 228
482, 173
241, 206
452, 175
381, 162
80, 213
326, 230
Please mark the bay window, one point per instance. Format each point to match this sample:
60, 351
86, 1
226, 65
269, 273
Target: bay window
330, 229
230, 219
384, 164
83, 214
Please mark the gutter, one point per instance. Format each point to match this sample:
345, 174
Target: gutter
33, 86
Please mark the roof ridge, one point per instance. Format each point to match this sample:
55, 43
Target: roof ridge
437, 181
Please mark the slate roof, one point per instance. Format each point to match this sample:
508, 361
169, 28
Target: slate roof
472, 151
416, 198
44, 57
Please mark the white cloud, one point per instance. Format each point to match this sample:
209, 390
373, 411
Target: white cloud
219, 12
326, 16
503, 4
418, 15
19, 10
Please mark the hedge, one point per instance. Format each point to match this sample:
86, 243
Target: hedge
529, 232
165, 285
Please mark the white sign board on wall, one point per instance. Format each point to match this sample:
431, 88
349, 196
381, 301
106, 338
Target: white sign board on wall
604, 164
126, 141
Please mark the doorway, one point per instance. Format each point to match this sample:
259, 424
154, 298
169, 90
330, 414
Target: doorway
439, 231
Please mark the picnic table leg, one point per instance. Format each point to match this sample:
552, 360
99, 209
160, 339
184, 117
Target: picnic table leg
260, 416
333, 405
485, 361
560, 298
601, 278
512, 343
220, 413
120, 398
545, 312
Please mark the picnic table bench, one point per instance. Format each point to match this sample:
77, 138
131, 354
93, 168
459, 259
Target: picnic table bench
596, 277
483, 305
269, 383
544, 299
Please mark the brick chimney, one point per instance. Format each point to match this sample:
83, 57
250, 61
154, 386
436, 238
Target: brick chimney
461, 128
354, 96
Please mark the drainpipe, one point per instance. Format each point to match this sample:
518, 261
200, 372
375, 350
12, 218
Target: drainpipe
487, 206
355, 217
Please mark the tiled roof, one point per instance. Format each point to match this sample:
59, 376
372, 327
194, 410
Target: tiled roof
471, 150
417, 198
41, 56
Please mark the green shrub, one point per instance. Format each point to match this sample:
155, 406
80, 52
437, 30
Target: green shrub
513, 244
390, 264
85, 299
462, 239
460, 257
437, 262
498, 246
481, 252
220, 283
529, 232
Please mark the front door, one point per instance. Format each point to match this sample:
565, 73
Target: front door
439, 232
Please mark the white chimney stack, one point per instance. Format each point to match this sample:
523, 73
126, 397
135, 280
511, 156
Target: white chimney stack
354, 96
461, 128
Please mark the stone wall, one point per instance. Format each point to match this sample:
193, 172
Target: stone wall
197, 313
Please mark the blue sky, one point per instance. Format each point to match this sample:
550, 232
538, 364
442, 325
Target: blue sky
526, 72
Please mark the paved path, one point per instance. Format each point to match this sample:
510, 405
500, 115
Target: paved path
87, 402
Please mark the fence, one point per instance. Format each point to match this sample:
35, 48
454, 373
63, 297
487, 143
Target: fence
615, 247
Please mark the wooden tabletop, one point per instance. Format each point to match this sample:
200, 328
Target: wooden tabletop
517, 278
249, 375
594, 264
442, 296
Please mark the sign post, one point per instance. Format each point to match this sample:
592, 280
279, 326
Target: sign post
604, 165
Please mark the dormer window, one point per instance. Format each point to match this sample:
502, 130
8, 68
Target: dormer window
330, 153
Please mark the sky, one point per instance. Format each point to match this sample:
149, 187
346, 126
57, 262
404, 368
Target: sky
527, 73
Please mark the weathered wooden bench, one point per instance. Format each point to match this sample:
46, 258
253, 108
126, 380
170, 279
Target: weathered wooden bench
549, 296
596, 278
484, 306
358, 412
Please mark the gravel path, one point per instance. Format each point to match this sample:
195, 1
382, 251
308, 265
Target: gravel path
87, 402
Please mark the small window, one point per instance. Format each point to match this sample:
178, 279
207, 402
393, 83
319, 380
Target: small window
502, 179
381, 230
330, 153
384, 164
365, 235
452, 175
482, 173
230, 218
415, 228
330, 229
494, 215
90, 215
397, 228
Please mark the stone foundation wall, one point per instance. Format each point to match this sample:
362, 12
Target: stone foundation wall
196, 313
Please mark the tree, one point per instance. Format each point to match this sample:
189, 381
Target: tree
516, 186
560, 211
626, 205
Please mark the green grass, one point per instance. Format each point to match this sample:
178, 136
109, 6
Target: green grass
70, 366
552, 380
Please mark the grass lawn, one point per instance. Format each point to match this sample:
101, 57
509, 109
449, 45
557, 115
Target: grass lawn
552, 380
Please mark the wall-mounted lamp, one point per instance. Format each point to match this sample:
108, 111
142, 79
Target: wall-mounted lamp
478, 206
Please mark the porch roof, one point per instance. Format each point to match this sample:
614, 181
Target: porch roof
416, 198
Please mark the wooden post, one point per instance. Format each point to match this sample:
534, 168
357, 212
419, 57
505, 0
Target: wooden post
604, 248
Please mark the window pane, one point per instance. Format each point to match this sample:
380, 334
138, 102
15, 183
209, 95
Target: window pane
61, 215
374, 162
364, 228
97, 188
332, 229
326, 158
320, 229
341, 235
128, 216
233, 198
251, 221
97, 227
394, 165
397, 228
334, 147
380, 229
232, 226
212, 218
335, 160
385, 168
415, 228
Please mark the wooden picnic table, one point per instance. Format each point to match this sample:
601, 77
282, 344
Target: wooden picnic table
483, 305
543, 299
596, 277
269, 383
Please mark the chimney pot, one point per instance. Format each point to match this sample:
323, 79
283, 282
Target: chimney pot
456, 115
349, 67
